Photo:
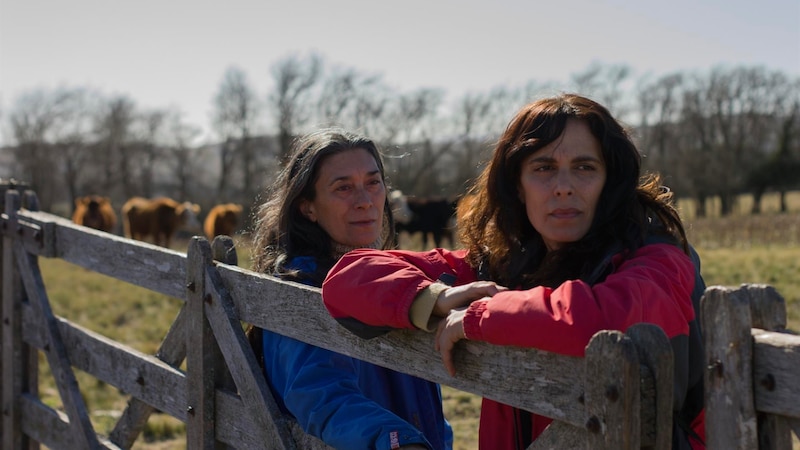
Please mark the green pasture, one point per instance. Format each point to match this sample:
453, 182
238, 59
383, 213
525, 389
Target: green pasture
734, 250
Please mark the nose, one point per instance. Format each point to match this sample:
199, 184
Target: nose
563, 184
362, 199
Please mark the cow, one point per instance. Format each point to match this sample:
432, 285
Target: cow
430, 216
158, 218
95, 211
222, 219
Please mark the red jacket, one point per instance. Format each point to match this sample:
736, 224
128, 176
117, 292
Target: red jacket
654, 285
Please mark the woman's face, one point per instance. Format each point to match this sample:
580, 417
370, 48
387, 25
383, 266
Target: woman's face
350, 196
560, 185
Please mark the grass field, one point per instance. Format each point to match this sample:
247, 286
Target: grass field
734, 250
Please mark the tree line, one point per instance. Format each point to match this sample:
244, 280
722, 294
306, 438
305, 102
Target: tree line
712, 134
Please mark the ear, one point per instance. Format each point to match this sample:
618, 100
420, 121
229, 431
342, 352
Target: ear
307, 210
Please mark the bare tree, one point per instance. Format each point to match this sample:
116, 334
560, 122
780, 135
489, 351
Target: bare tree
32, 121
115, 150
236, 111
415, 147
181, 154
294, 78
782, 163
354, 100
658, 130
73, 136
606, 84
152, 125
474, 127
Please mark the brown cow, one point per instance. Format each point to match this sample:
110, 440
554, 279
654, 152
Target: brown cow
222, 220
95, 211
158, 218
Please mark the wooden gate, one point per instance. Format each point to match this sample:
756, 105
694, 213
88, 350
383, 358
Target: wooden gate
618, 396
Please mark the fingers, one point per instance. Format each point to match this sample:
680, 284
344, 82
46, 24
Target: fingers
463, 295
447, 358
445, 348
449, 331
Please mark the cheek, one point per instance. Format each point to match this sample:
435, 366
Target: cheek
532, 193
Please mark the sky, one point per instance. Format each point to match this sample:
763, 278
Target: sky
174, 53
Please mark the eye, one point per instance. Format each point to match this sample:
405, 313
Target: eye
544, 168
343, 188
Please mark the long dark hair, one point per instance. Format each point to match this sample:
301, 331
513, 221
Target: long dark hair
500, 238
281, 231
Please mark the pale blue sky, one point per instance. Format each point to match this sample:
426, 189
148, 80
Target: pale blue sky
173, 53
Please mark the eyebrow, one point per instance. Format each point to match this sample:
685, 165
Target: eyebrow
346, 177
579, 158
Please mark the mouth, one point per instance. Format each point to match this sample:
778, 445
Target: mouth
565, 213
363, 223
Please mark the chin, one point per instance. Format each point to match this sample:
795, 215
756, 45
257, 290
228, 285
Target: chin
363, 242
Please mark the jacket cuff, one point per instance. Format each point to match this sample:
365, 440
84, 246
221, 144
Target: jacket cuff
421, 309
472, 320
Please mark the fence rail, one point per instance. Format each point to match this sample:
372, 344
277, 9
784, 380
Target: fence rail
618, 396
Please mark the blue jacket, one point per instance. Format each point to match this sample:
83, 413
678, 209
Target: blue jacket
348, 403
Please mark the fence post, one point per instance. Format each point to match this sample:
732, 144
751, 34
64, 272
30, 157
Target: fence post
202, 354
19, 363
768, 312
730, 409
12, 362
612, 392
655, 352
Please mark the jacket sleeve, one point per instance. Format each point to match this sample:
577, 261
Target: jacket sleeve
653, 286
319, 389
375, 289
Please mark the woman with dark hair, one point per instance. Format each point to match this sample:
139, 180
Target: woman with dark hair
329, 199
562, 239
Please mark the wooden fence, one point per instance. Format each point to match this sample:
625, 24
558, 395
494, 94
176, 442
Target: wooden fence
618, 396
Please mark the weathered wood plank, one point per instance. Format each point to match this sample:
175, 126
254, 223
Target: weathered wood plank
236, 429
560, 435
768, 312
655, 353
767, 307
612, 392
271, 425
773, 432
730, 410
223, 249
152, 267
552, 385
55, 350
143, 376
172, 351
776, 362
12, 365
202, 353
51, 427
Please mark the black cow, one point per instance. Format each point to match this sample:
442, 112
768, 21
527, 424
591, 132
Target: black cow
431, 215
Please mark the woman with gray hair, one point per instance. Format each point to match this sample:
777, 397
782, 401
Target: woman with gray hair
330, 199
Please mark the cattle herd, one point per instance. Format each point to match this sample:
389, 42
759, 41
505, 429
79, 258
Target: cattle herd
157, 220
